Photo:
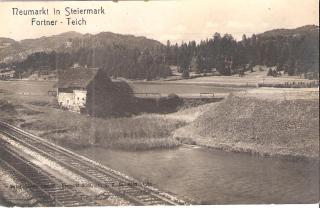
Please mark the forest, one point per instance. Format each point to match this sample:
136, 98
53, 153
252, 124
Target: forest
292, 51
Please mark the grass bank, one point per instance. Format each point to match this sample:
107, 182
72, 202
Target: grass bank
143, 132
26, 104
258, 125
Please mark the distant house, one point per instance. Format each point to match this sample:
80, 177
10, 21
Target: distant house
311, 75
6, 74
91, 91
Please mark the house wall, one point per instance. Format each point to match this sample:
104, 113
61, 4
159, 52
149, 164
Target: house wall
73, 101
65, 100
79, 99
4, 75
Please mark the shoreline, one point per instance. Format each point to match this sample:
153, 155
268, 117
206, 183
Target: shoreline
253, 153
258, 124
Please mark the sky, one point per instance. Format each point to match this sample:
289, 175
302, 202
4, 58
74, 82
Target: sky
174, 20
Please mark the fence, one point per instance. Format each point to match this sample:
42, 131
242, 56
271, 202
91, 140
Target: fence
52, 93
291, 84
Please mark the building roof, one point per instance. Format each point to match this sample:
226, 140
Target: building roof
6, 70
76, 77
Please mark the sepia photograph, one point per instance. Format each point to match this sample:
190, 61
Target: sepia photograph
170, 103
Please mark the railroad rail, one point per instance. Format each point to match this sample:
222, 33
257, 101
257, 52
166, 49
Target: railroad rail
43, 186
120, 185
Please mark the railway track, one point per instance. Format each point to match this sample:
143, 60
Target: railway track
106, 178
44, 187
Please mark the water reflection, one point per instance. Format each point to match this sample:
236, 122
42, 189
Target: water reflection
217, 177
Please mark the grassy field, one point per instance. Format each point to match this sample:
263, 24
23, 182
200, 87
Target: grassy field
23, 87
28, 105
264, 123
167, 87
67, 128
33, 110
250, 79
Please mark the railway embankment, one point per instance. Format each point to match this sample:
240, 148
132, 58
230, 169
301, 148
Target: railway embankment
57, 176
266, 122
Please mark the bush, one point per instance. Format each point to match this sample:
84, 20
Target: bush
170, 103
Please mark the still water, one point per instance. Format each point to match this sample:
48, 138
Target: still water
217, 177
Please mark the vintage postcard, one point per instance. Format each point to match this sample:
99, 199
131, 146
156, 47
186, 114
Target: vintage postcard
159, 102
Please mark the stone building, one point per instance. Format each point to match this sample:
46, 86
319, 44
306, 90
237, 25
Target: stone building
6, 74
91, 91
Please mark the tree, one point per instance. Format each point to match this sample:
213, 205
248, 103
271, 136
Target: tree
194, 65
185, 74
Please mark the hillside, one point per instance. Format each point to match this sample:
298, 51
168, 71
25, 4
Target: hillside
298, 48
12, 51
304, 30
107, 39
126, 56
52, 42
6, 41
260, 123
292, 51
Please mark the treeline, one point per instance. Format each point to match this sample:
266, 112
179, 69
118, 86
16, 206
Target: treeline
292, 51
124, 62
293, 54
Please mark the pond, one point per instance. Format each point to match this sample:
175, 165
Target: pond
217, 177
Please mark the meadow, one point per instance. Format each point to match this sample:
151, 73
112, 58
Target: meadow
263, 121
248, 80
35, 111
